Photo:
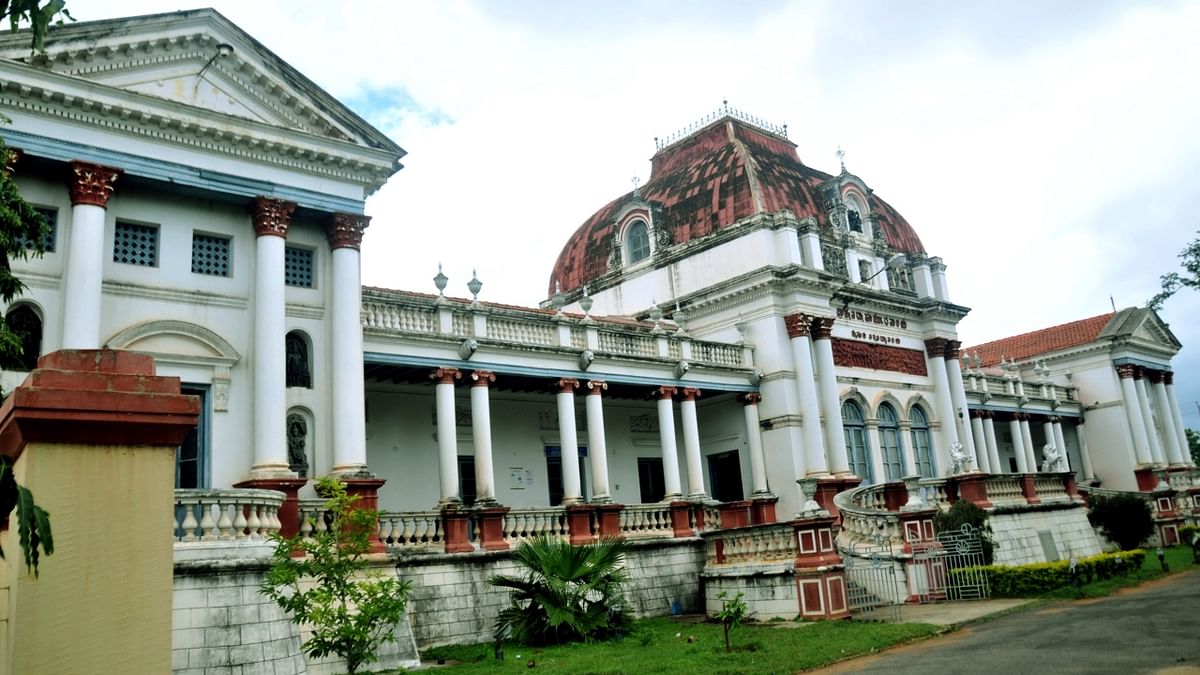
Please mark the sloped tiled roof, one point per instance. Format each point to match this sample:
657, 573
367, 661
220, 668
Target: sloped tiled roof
710, 180
1045, 340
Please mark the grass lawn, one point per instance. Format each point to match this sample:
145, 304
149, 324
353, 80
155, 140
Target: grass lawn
663, 646
1179, 559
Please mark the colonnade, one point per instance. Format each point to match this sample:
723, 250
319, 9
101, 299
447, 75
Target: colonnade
594, 393
1152, 412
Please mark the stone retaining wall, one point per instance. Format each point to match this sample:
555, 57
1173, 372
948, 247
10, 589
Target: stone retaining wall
1019, 542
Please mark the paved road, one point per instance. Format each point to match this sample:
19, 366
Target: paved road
1151, 629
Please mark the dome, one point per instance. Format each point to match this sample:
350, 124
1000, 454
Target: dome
710, 180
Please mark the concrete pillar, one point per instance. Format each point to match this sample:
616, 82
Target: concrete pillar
906, 447
670, 448
799, 328
271, 218
1085, 455
935, 351
1143, 401
922, 276
597, 450
91, 186
481, 432
1133, 415
1061, 441
977, 434
447, 434
831, 406
810, 245
691, 443
568, 441
758, 463
1014, 429
349, 424
993, 448
1162, 403
1177, 418
958, 395
1048, 434
1027, 444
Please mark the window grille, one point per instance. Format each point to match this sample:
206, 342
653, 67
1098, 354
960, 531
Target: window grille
135, 244
210, 255
298, 267
51, 216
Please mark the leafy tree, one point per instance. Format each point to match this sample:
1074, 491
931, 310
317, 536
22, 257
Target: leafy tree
1193, 439
964, 512
566, 594
1124, 518
351, 611
733, 612
40, 15
1172, 282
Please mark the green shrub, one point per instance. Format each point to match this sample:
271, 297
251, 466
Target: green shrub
567, 593
733, 612
963, 512
1124, 518
1022, 581
1189, 534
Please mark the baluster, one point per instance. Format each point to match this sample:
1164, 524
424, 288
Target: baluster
189, 522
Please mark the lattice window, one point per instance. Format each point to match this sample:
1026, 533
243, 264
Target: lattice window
298, 267
210, 254
51, 216
135, 244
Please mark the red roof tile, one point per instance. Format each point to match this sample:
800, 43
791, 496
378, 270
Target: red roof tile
1045, 340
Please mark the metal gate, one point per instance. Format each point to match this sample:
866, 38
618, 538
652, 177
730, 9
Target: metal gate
873, 588
950, 568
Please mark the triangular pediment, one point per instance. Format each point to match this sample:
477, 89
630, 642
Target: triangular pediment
197, 59
1151, 329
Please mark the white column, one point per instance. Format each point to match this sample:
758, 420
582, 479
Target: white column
875, 450
1027, 443
1133, 414
993, 448
935, 351
1061, 441
1014, 429
91, 186
481, 432
1084, 454
906, 447
1177, 418
568, 442
447, 434
1174, 452
691, 444
670, 448
985, 462
1143, 401
1048, 434
271, 218
597, 450
958, 394
758, 464
346, 347
835, 440
799, 327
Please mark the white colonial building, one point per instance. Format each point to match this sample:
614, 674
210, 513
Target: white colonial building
737, 324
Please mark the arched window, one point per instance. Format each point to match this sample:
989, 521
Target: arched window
637, 241
24, 321
854, 213
857, 450
299, 373
922, 447
889, 438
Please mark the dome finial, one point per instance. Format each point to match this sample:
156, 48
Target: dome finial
636, 181
841, 155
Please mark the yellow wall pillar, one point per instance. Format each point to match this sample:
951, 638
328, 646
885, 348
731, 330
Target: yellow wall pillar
94, 435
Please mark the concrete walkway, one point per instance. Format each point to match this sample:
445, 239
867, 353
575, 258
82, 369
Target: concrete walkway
960, 612
1154, 628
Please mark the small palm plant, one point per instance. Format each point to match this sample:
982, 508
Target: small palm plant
566, 594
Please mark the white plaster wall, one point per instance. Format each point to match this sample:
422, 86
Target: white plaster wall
1016, 535
768, 593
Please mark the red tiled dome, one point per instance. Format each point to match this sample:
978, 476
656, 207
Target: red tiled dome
725, 172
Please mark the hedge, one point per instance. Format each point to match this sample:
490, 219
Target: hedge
1020, 581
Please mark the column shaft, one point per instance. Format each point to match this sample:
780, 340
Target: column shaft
1143, 399
568, 441
954, 378
670, 447
597, 450
1177, 418
1084, 454
799, 326
1014, 428
875, 451
835, 440
1174, 452
90, 188
1027, 444
758, 465
906, 446
935, 351
346, 348
481, 432
1133, 414
993, 448
447, 434
271, 218
985, 462
1048, 434
691, 444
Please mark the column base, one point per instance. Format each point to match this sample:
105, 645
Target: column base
734, 514
1029, 488
491, 527
895, 495
454, 530
609, 518
971, 487
1146, 478
579, 524
270, 472
828, 487
366, 494
289, 511
762, 509
681, 519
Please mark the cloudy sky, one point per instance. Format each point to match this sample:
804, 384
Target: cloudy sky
1045, 150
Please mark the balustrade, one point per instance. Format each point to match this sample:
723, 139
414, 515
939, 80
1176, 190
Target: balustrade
411, 531
1050, 487
646, 520
627, 344
402, 318
758, 544
718, 354
1004, 490
523, 524
226, 515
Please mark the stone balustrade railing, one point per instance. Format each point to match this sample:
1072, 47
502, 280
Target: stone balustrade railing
705, 517
411, 530
757, 544
530, 523
1050, 488
386, 312
865, 521
1005, 489
1182, 480
205, 515
646, 520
